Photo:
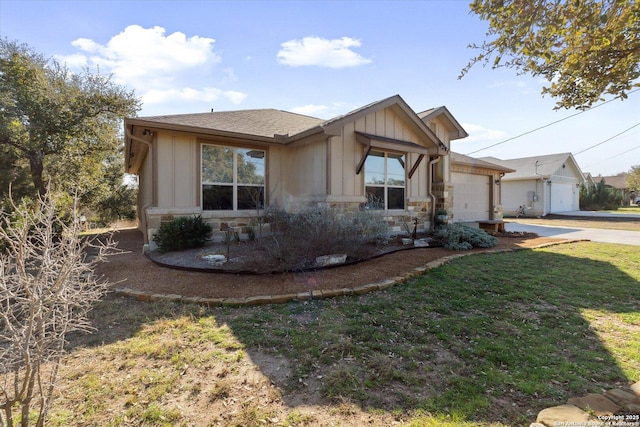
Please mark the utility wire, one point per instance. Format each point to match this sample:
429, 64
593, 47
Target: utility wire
613, 157
545, 126
608, 139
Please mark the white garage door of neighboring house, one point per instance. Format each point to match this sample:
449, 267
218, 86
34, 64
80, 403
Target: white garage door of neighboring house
470, 196
562, 196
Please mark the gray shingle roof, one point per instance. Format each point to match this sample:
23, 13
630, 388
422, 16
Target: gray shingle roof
261, 122
478, 163
532, 167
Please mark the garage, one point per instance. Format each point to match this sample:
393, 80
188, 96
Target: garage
562, 197
471, 197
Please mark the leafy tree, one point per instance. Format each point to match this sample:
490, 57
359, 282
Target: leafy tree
599, 197
62, 124
633, 179
583, 48
116, 200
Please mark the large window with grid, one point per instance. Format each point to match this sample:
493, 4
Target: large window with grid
232, 178
385, 180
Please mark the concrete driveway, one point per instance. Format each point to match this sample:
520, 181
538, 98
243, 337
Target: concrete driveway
593, 234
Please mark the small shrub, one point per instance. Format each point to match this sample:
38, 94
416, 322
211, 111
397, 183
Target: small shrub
182, 233
298, 238
460, 237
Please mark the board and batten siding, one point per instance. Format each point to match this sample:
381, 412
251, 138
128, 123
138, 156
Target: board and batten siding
177, 170
345, 153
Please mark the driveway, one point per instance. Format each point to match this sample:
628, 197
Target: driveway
593, 234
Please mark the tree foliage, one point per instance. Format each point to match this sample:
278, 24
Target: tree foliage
585, 49
61, 124
633, 179
47, 287
599, 197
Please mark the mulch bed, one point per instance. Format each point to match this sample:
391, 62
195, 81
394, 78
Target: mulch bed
133, 270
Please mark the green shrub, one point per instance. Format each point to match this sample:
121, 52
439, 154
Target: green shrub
460, 237
182, 233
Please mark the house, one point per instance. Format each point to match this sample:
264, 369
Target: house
619, 182
228, 166
589, 180
542, 184
476, 188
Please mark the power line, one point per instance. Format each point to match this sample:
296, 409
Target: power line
613, 157
607, 140
545, 126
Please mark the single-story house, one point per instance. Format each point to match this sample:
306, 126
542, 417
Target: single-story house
228, 166
476, 188
542, 184
619, 182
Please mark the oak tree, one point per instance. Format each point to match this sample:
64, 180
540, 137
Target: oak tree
585, 49
63, 124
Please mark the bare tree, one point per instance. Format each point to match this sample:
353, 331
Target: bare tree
47, 287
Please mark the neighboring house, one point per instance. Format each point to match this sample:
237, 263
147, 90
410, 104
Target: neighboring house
619, 182
589, 180
476, 188
228, 166
542, 184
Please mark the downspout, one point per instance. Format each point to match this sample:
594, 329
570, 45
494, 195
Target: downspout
143, 217
430, 178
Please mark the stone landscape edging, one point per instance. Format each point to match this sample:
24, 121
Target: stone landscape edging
314, 294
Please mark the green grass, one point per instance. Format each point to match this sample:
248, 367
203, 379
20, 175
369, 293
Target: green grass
512, 326
488, 339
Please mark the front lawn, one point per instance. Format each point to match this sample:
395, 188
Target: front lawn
486, 340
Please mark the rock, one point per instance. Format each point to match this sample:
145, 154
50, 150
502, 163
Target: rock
599, 404
406, 241
215, 259
558, 415
622, 396
421, 243
323, 261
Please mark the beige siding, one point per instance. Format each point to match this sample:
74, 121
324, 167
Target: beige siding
177, 171
307, 168
346, 153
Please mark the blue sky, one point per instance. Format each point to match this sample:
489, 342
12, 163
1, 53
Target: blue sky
321, 58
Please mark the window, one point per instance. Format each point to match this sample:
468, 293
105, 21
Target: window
384, 175
232, 178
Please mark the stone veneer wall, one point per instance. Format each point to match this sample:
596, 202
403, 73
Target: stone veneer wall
444, 196
244, 222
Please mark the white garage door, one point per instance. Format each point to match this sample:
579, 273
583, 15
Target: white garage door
470, 196
562, 196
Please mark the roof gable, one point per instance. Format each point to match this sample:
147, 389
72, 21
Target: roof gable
456, 131
334, 126
537, 167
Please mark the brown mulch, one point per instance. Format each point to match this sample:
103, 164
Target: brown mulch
133, 270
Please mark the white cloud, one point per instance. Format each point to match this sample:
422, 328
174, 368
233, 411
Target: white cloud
210, 94
336, 53
480, 133
162, 68
323, 111
310, 109
139, 56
